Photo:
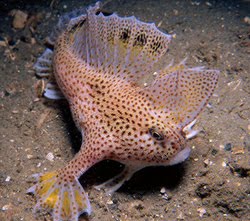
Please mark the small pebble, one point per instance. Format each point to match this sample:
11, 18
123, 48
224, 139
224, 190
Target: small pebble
20, 18
110, 202
2, 95
196, 3
36, 99
221, 147
6, 207
50, 156
159, 24
7, 179
214, 152
3, 42
176, 12
163, 190
29, 156
201, 211
206, 162
224, 164
247, 20
33, 41
180, 216
208, 4
209, 106
238, 150
228, 147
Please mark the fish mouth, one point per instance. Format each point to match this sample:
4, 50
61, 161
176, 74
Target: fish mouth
181, 156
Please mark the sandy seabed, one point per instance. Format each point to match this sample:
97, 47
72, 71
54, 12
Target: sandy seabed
213, 184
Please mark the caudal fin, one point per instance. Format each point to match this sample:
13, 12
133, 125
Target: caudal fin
43, 65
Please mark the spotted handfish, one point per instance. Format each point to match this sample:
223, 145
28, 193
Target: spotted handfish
100, 63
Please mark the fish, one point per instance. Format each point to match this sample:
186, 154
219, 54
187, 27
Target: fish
101, 64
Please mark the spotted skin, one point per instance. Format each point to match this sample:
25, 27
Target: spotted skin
98, 63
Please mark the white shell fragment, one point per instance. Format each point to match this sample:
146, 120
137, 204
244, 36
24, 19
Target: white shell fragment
50, 156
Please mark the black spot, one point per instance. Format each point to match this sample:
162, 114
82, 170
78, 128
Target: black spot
125, 35
140, 40
155, 45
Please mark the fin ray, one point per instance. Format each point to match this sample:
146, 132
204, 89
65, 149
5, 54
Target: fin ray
66, 198
113, 184
182, 94
43, 66
53, 92
125, 47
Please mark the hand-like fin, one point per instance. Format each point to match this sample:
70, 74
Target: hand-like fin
113, 184
66, 198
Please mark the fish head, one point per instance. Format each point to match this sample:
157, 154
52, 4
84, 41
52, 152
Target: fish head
151, 142
165, 142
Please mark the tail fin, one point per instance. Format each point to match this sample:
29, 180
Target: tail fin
125, 47
66, 198
44, 69
43, 65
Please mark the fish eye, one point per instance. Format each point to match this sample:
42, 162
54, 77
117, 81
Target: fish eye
156, 135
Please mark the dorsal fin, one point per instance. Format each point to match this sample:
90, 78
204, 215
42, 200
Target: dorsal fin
180, 93
125, 47
66, 21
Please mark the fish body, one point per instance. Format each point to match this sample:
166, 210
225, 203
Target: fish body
98, 63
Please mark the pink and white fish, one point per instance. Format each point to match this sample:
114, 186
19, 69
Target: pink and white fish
101, 63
